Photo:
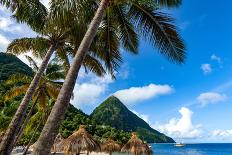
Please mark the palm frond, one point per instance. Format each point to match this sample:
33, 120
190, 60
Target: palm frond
31, 12
18, 78
128, 37
54, 67
16, 91
94, 65
32, 63
53, 90
37, 45
106, 45
158, 28
62, 56
55, 76
42, 99
169, 3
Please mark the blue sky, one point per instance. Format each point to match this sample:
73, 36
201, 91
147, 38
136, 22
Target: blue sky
190, 101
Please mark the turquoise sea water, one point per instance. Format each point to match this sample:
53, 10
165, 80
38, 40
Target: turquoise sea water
191, 149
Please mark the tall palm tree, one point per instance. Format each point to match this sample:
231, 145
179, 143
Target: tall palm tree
154, 26
53, 42
48, 88
54, 39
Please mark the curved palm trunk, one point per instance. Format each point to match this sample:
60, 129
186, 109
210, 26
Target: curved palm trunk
20, 133
13, 129
33, 135
57, 114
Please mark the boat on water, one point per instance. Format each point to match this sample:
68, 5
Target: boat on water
179, 144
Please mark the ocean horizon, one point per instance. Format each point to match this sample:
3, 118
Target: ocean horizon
191, 149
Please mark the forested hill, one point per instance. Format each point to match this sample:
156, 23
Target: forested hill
10, 64
114, 113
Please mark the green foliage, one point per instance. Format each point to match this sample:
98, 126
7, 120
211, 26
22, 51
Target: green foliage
9, 64
114, 113
75, 117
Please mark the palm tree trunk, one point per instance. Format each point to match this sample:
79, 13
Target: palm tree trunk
7, 143
20, 133
33, 135
57, 114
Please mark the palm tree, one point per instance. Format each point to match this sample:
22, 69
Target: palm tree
154, 26
39, 45
31, 12
52, 37
48, 88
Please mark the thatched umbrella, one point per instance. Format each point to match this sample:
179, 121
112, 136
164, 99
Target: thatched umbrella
58, 145
136, 146
111, 146
80, 141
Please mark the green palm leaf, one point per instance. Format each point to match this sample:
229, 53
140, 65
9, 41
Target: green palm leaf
94, 65
128, 37
38, 46
158, 29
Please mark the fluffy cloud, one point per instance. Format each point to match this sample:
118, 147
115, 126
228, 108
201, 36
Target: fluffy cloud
90, 89
206, 68
211, 97
143, 116
8, 25
138, 94
181, 127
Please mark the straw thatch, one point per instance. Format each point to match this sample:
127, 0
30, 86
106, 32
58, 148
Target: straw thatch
111, 146
80, 141
58, 145
136, 146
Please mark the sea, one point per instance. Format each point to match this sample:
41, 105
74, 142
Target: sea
191, 149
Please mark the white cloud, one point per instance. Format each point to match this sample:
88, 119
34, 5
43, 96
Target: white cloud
3, 42
8, 25
206, 68
216, 58
90, 89
181, 127
221, 135
137, 94
211, 97
143, 116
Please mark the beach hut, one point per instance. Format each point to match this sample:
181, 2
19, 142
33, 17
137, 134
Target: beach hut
80, 141
58, 145
111, 146
136, 146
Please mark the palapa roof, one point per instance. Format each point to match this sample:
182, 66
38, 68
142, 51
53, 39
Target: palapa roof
58, 145
111, 146
80, 141
136, 146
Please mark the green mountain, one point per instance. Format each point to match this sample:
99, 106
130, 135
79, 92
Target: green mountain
114, 113
10, 64
110, 119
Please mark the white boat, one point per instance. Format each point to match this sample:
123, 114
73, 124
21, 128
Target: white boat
179, 145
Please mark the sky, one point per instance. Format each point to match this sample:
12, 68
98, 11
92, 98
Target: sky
189, 102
